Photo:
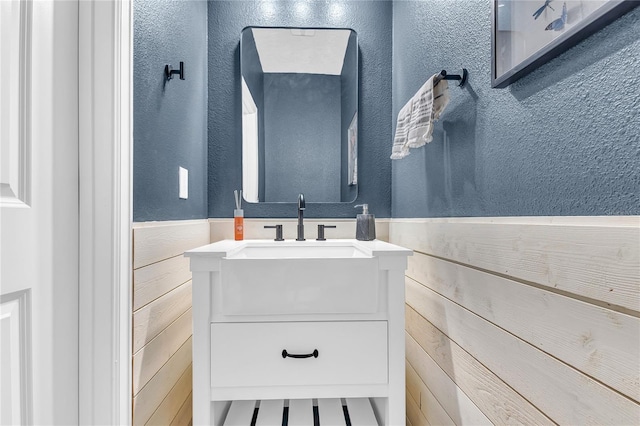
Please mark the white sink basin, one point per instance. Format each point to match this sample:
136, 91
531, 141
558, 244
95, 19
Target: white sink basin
298, 277
297, 250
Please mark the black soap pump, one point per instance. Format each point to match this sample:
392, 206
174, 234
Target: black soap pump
365, 224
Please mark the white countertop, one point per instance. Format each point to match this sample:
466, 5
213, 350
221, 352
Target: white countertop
225, 247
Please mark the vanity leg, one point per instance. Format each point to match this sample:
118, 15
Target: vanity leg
396, 408
202, 406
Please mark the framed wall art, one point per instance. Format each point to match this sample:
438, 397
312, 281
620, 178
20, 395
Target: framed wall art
528, 33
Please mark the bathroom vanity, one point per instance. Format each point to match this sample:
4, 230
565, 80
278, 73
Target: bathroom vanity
296, 324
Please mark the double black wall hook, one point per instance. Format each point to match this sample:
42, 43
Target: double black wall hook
444, 76
169, 72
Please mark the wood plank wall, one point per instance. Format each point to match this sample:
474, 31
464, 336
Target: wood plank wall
162, 325
522, 320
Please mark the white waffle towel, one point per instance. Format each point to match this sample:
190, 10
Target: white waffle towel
400, 146
414, 126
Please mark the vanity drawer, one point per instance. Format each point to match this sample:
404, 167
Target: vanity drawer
252, 354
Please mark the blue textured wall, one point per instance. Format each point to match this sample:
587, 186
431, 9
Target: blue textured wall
372, 21
562, 141
302, 137
169, 117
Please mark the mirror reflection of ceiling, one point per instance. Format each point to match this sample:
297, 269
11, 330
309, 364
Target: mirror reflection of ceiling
304, 51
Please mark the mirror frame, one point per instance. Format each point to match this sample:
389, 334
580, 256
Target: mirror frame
352, 120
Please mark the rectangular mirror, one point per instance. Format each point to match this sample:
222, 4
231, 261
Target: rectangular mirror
299, 114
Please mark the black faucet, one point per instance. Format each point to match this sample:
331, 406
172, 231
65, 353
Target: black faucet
301, 208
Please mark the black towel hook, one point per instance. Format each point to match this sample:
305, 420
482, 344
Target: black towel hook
168, 71
444, 76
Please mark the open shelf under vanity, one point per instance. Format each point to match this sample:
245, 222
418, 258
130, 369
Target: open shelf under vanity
301, 412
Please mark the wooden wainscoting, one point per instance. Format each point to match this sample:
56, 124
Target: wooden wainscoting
522, 320
162, 320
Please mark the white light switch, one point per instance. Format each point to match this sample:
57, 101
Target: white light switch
183, 177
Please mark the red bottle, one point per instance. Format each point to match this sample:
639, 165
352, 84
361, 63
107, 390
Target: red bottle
238, 224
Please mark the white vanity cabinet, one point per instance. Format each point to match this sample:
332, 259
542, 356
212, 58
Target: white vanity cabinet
310, 320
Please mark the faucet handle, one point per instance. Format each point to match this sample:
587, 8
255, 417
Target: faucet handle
321, 232
278, 229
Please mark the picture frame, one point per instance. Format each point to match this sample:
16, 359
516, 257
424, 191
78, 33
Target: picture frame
352, 143
529, 33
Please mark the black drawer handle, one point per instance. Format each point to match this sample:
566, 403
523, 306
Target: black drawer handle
286, 354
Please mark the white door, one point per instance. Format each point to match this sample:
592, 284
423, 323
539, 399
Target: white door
39, 212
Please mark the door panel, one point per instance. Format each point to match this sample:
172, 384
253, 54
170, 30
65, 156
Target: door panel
15, 44
15, 354
39, 240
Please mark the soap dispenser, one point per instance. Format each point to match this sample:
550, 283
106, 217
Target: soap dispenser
365, 224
